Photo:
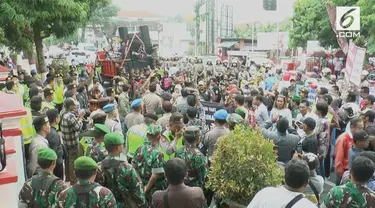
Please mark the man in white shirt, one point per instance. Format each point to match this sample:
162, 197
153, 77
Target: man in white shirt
305, 111
287, 196
261, 111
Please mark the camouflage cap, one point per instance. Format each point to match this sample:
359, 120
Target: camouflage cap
85, 163
234, 118
154, 129
114, 138
46, 153
191, 131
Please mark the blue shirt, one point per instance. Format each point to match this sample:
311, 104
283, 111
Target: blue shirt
353, 153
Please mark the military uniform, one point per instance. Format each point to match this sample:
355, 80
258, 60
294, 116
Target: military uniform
349, 195
89, 147
121, 178
149, 159
195, 160
41, 189
85, 193
96, 151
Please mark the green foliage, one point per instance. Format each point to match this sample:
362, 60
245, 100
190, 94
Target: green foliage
102, 17
311, 22
27, 22
270, 5
243, 164
284, 26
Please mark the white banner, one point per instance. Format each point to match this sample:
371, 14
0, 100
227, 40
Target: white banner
354, 63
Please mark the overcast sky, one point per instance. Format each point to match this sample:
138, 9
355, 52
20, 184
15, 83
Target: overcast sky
244, 10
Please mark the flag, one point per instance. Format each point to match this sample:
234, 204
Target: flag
343, 42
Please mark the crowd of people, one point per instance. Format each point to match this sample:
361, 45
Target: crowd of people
146, 139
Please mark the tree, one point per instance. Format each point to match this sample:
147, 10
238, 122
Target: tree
311, 22
102, 19
37, 19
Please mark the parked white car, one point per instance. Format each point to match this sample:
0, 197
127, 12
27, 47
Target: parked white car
78, 57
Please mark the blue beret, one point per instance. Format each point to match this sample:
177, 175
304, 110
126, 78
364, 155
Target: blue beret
109, 108
221, 114
136, 103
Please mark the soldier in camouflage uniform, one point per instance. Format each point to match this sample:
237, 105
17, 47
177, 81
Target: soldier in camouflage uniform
86, 193
96, 150
119, 176
149, 162
41, 189
233, 120
354, 194
195, 160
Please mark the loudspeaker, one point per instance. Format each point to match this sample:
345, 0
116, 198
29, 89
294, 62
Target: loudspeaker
123, 32
145, 35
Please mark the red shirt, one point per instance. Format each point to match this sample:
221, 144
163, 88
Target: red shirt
343, 144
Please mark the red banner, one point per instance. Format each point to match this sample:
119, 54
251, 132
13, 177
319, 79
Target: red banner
343, 42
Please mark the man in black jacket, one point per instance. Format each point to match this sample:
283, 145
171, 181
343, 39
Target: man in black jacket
55, 141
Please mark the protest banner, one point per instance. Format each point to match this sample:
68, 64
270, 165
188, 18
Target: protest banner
210, 108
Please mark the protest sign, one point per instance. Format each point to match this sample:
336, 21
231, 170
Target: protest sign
210, 108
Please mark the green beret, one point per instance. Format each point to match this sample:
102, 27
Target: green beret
114, 138
46, 153
85, 163
102, 128
191, 131
296, 98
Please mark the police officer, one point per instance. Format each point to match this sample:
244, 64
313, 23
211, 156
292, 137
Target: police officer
195, 160
135, 117
96, 150
40, 190
149, 162
137, 135
119, 176
47, 103
112, 123
59, 92
86, 193
172, 138
87, 138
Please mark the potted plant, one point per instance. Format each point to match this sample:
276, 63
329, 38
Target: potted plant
243, 164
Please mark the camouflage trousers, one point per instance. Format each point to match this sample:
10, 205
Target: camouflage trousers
72, 155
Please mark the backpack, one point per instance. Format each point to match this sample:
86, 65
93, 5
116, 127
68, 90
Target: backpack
38, 183
83, 193
109, 180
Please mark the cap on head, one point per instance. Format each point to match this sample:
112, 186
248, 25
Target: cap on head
102, 128
154, 129
114, 138
361, 136
151, 116
191, 131
46, 153
234, 118
136, 103
109, 108
40, 120
85, 163
177, 119
221, 115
